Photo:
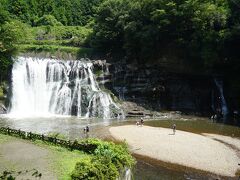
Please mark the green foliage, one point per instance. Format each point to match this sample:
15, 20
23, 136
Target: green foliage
117, 152
200, 33
59, 35
56, 49
19, 9
46, 20
2, 97
108, 31
57, 135
96, 168
4, 138
109, 159
11, 32
106, 161
1, 92
12, 175
147, 29
68, 12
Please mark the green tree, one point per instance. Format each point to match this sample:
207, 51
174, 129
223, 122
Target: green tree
47, 20
109, 29
6, 45
19, 10
148, 29
11, 32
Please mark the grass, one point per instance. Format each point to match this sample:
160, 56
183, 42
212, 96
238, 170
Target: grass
5, 138
55, 49
198, 126
56, 40
62, 160
49, 42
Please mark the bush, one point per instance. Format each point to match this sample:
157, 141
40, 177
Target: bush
48, 20
107, 162
95, 168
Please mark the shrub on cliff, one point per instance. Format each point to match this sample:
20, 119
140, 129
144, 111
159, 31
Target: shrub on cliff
48, 20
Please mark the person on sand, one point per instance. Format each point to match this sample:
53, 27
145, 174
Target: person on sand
141, 122
174, 128
137, 123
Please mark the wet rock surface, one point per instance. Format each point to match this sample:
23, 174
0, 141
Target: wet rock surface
156, 88
3, 109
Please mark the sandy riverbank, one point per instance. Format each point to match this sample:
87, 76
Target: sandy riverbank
208, 152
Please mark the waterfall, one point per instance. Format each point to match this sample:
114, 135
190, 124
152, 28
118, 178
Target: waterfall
126, 174
45, 87
219, 85
119, 81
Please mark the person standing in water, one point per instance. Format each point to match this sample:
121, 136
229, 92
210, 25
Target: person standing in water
86, 129
174, 128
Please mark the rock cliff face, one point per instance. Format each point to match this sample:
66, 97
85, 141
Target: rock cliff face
3, 110
154, 88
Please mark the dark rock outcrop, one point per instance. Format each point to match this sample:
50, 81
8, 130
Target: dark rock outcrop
155, 88
3, 109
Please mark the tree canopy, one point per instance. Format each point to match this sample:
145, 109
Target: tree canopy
202, 33
68, 12
146, 29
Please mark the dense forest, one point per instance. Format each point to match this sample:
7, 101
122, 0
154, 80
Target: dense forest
204, 35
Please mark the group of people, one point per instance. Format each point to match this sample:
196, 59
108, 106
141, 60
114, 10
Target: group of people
140, 123
86, 129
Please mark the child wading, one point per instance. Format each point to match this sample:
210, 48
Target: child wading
174, 128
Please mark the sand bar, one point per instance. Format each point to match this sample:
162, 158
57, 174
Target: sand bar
197, 151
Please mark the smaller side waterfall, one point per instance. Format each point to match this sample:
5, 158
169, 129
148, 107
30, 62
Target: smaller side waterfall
224, 107
43, 87
126, 174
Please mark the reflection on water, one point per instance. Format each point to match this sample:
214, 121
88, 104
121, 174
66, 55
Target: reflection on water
72, 127
146, 171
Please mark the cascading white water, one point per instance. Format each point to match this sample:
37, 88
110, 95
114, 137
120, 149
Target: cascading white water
219, 84
43, 87
128, 175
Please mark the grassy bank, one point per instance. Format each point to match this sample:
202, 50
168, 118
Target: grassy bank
55, 50
62, 160
105, 162
56, 40
197, 126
